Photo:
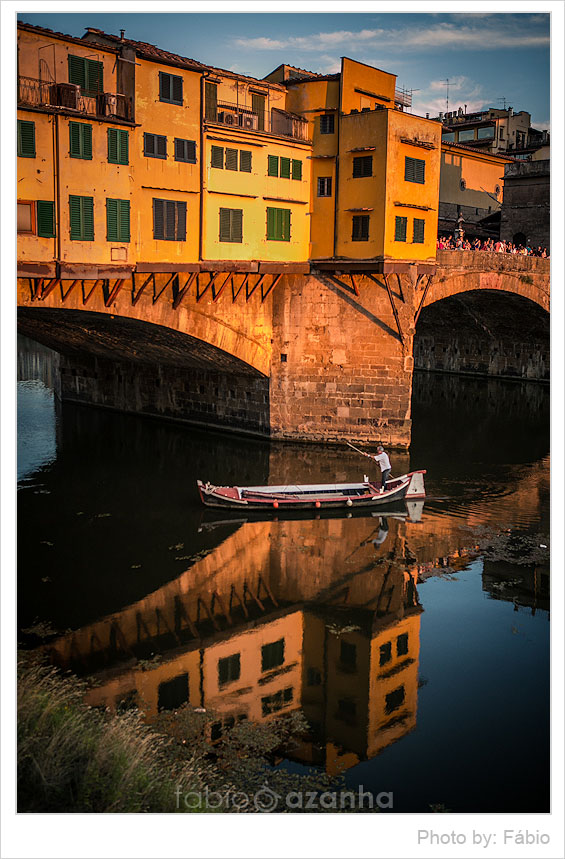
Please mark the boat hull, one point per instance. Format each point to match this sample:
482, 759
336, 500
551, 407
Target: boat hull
315, 497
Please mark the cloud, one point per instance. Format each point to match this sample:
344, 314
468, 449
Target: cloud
462, 91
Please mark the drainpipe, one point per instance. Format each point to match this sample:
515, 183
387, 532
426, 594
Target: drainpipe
336, 197
56, 194
202, 115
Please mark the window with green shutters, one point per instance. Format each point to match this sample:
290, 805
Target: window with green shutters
118, 146
297, 170
185, 150
231, 225
414, 170
285, 168
231, 159
81, 213
360, 228
272, 165
80, 140
155, 145
88, 74
418, 235
278, 225
245, 161
211, 101
217, 157
400, 225
46, 219
272, 655
26, 139
117, 220
170, 88
169, 220
363, 166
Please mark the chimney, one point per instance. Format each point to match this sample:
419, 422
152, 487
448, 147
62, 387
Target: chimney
122, 35
465, 110
427, 116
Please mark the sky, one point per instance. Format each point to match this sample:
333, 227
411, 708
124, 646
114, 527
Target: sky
491, 60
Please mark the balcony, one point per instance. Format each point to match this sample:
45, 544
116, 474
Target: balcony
69, 98
275, 121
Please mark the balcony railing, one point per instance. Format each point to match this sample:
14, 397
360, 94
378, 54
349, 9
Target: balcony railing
275, 121
37, 93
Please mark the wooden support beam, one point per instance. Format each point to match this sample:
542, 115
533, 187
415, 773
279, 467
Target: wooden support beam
159, 614
209, 614
249, 292
182, 612
393, 305
113, 294
32, 287
136, 296
182, 292
255, 598
86, 298
121, 637
420, 306
216, 295
265, 293
157, 296
223, 606
354, 284
400, 288
213, 278
267, 590
65, 295
233, 593
46, 290
140, 622
243, 285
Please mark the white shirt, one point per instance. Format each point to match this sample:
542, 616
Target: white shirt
383, 460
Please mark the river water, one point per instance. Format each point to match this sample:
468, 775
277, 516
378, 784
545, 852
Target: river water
415, 642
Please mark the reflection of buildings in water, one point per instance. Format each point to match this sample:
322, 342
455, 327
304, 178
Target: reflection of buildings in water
343, 647
37, 362
526, 587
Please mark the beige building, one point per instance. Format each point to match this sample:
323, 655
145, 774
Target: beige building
494, 130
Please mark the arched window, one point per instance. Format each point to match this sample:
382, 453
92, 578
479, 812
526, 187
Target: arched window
519, 239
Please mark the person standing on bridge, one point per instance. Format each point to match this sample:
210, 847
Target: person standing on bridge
381, 458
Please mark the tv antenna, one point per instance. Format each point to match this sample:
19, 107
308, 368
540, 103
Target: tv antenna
503, 100
446, 82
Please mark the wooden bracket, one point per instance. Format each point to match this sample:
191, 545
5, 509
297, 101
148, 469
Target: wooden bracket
46, 290
243, 285
265, 293
213, 278
393, 305
157, 295
421, 305
179, 294
86, 298
249, 292
136, 296
65, 295
111, 296
216, 295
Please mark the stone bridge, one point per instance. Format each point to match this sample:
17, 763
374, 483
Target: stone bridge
321, 356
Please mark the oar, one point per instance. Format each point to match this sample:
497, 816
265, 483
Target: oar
362, 452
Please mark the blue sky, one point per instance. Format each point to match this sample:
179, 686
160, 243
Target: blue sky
487, 57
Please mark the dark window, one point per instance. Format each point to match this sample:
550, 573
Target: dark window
231, 159
173, 693
363, 166
169, 220
245, 161
217, 157
154, 145
348, 655
327, 123
272, 655
170, 88
414, 170
278, 225
285, 168
216, 731
26, 139
258, 108
80, 140
297, 170
400, 225
419, 226
360, 231
231, 225
118, 146
211, 101
346, 708
46, 219
185, 150
26, 217
402, 644
272, 703
88, 74
229, 669
324, 186
466, 135
486, 133
462, 184
394, 700
385, 654
117, 220
313, 677
81, 213
272, 165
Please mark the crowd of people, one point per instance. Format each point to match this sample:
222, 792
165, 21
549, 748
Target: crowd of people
450, 243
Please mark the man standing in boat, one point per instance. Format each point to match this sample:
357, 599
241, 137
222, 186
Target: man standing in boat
381, 458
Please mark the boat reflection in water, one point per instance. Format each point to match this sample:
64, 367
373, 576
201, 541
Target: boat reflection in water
247, 634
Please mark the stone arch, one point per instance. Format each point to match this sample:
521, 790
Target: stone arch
446, 283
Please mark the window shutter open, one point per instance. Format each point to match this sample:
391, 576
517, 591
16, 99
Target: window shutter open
225, 225
161, 146
273, 165
271, 223
149, 144
77, 72
297, 170
419, 226
285, 168
158, 219
86, 132
45, 218
177, 89
237, 225
88, 218
26, 138
112, 220
181, 222
123, 220
164, 86
180, 149
400, 229
217, 157
74, 139
211, 101
74, 216
94, 81
245, 161
231, 159
113, 145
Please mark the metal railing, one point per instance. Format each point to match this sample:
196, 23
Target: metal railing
275, 121
37, 93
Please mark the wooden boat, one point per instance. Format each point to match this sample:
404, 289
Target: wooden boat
315, 496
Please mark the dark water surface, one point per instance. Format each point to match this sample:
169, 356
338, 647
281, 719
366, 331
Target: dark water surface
415, 643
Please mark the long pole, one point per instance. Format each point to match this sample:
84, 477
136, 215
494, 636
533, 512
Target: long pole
362, 452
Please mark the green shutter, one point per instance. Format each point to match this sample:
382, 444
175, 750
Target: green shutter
271, 223
418, 235
123, 220
113, 145
74, 217
245, 161
237, 225
217, 157
80, 140
158, 219
94, 80
225, 221
285, 225
112, 220
278, 225
297, 170
211, 101
88, 218
231, 159
77, 73
46, 219
118, 148
414, 170
81, 211
400, 229
273, 165
26, 139
285, 168
123, 146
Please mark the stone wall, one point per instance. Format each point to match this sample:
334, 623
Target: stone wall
525, 208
